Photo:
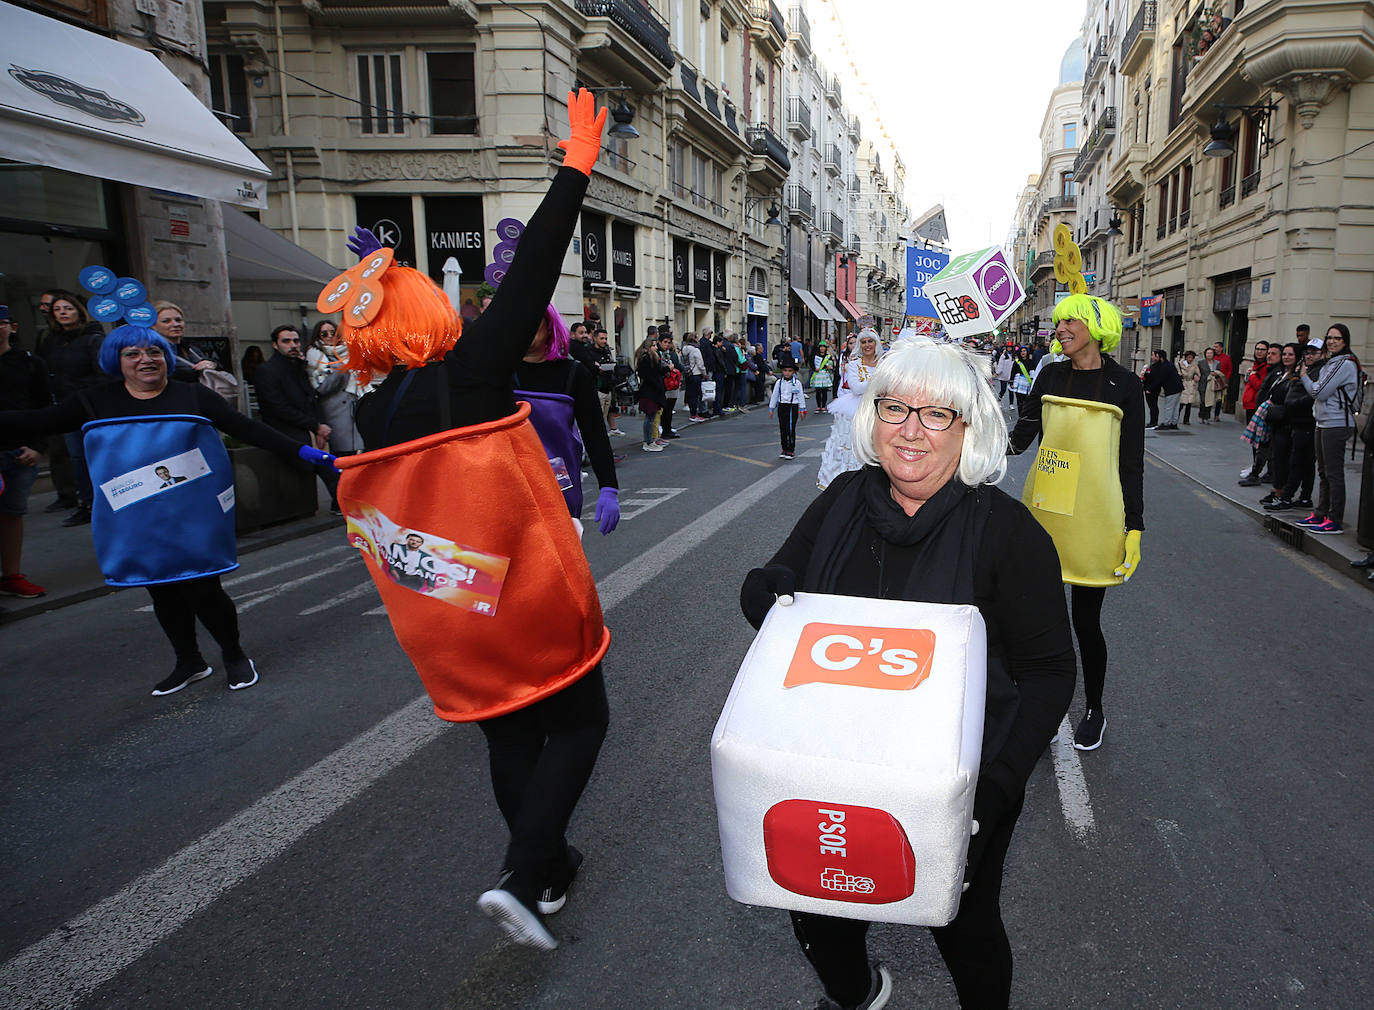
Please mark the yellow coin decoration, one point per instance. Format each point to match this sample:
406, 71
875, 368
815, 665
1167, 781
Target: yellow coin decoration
1077, 285
1062, 273
1074, 258
1063, 238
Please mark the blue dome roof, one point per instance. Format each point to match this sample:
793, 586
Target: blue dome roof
1071, 66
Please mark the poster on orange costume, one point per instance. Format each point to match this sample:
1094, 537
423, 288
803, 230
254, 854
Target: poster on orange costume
458, 575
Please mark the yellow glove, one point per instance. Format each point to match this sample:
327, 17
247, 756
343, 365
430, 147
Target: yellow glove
1131, 562
581, 149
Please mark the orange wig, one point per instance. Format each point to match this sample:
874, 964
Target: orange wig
414, 326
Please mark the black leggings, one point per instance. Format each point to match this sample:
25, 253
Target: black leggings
974, 946
541, 759
822, 396
178, 604
1085, 605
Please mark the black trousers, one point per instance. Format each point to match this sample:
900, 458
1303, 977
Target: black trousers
1280, 454
179, 604
542, 757
787, 426
1152, 401
822, 396
1302, 465
1085, 607
722, 393
974, 946
665, 423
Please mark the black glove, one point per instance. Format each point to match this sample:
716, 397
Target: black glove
760, 591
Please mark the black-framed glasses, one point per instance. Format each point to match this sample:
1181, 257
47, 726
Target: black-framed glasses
932, 418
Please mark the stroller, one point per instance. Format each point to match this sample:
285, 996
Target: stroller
626, 390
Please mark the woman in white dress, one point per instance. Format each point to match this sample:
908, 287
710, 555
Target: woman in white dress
838, 455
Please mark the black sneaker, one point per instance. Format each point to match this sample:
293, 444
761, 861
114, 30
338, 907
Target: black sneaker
514, 918
1302, 503
61, 505
879, 992
185, 673
1269, 499
1279, 505
1248, 482
1088, 736
555, 896
81, 517
240, 673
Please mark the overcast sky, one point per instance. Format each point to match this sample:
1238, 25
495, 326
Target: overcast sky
961, 89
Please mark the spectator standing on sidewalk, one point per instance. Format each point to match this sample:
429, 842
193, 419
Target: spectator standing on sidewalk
23, 386
1191, 374
1166, 384
1223, 360
1254, 375
605, 376
59, 460
668, 355
652, 395
1288, 404
73, 354
1334, 390
694, 373
288, 402
1274, 370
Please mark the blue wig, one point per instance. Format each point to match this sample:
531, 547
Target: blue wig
133, 336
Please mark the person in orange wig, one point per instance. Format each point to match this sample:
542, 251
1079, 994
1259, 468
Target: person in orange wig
505, 628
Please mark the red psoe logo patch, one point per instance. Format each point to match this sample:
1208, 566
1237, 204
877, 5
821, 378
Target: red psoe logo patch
839, 852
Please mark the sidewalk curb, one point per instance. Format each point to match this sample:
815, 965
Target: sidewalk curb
275, 536
1291, 535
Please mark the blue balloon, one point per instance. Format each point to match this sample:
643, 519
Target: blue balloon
129, 291
104, 309
97, 280
141, 315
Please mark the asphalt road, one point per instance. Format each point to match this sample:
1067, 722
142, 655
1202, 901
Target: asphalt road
320, 839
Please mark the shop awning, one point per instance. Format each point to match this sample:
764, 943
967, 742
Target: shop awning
812, 304
829, 307
853, 310
265, 267
78, 101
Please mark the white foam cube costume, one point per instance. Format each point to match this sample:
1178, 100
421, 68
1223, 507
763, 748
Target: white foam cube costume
846, 757
975, 292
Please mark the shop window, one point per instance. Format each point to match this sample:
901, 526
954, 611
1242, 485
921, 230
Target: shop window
380, 95
229, 92
452, 92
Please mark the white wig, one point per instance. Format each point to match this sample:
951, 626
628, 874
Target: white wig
948, 375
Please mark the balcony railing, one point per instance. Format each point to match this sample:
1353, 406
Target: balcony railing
764, 141
799, 116
1098, 141
855, 246
854, 128
1228, 196
1250, 183
832, 90
712, 104
799, 201
854, 185
729, 111
1098, 59
1144, 21
767, 10
834, 226
800, 26
1043, 261
1163, 230
1057, 203
832, 159
688, 73
637, 18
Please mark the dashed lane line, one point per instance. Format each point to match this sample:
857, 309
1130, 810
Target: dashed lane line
89, 950
1073, 787
361, 589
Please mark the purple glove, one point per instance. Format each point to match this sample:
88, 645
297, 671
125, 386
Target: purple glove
363, 243
313, 456
608, 509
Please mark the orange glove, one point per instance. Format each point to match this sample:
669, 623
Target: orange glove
581, 149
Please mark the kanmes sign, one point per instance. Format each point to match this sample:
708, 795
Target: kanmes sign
73, 95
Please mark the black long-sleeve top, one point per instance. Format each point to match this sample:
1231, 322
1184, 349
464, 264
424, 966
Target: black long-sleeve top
651, 372
114, 400
1017, 588
553, 377
480, 369
286, 398
23, 386
1114, 384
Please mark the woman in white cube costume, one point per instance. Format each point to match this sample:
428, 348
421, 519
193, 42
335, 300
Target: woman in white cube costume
921, 521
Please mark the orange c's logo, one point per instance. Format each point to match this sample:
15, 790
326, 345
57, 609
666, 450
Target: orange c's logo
889, 659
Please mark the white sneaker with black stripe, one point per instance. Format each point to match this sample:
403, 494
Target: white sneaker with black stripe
514, 918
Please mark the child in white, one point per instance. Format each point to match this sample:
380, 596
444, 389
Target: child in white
788, 400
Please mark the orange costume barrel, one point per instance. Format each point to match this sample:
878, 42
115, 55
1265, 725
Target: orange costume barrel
468, 539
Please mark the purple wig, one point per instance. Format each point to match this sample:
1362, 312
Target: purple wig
559, 337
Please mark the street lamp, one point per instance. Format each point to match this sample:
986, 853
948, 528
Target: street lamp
623, 115
1223, 134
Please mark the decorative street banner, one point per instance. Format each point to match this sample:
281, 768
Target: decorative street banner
921, 266
975, 292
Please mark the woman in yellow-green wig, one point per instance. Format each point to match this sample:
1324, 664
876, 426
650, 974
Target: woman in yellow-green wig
1093, 402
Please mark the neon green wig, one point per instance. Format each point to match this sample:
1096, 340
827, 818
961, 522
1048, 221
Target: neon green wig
1102, 318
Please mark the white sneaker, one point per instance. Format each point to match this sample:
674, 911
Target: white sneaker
651, 447
617, 433
519, 922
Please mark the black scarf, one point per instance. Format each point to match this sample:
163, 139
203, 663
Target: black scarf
946, 532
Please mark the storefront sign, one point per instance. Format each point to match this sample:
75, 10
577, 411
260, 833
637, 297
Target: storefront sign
701, 274
681, 267
755, 305
623, 254
921, 266
593, 249
391, 220
719, 272
1152, 310
453, 227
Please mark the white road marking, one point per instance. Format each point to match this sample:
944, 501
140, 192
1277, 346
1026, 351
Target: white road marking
272, 592
375, 611
1073, 787
646, 498
361, 589
239, 580
87, 951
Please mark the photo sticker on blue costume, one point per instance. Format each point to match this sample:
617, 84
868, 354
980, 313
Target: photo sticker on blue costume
155, 478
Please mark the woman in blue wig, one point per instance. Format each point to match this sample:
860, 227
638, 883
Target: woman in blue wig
1087, 328
182, 593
